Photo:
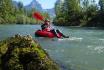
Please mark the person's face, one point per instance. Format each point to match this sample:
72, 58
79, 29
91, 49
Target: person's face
48, 22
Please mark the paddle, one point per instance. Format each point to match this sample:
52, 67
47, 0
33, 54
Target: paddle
38, 16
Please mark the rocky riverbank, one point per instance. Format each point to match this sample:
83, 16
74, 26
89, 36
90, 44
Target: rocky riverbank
23, 53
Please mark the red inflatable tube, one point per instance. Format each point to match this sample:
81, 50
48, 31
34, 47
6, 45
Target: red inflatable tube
41, 33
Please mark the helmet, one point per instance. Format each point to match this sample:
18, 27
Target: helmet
47, 20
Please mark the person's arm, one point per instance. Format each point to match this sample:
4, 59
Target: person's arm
51, 26
43, 26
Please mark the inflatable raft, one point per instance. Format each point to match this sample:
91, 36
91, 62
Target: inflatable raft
49, 34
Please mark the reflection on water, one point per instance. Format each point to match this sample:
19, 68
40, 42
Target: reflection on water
84, 50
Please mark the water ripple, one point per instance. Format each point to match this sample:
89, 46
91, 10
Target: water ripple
98, 49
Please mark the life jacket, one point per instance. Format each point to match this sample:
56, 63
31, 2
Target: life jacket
46, 27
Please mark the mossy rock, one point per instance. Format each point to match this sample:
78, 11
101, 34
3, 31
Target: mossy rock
23, 53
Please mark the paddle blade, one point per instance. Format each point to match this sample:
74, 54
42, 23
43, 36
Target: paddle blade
38, 16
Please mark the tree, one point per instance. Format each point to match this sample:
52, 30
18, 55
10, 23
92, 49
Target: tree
46, 15
101, 4
60, 12
67, 11
85, 5
89, 12
72, 8
6, 9
21, 7
77, 12
59, 8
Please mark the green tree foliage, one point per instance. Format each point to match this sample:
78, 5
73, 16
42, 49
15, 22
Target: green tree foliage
101, 4
46, 15
73, 10
89, 13
10, 14
5, 10
20, 7
85, 5
5, 7
67, 10
79, 13
59, 9
101, 13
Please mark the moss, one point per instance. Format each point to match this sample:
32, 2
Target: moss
22, 53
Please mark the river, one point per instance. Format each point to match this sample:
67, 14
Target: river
84, 50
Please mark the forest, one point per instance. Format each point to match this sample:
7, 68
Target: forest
86, 13
11, 14
82, 13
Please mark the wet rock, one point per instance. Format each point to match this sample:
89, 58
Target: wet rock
23, 53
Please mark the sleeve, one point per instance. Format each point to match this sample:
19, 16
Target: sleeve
43, 26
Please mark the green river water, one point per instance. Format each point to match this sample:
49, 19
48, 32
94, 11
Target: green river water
84, 50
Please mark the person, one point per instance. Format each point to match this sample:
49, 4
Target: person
46, 26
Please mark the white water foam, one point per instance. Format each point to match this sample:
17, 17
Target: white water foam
99, 49
101, 39
71, 38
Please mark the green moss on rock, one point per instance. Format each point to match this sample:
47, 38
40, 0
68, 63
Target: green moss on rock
23, 53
